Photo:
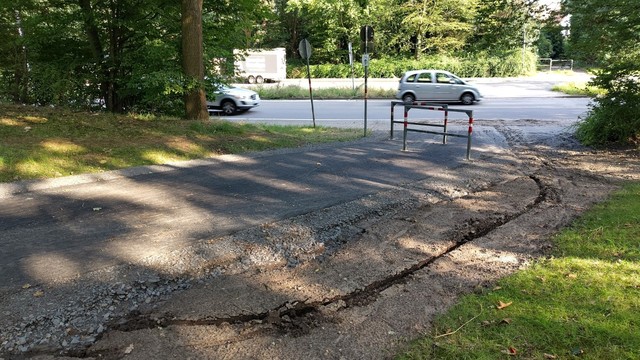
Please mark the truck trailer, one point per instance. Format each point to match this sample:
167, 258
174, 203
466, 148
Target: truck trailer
258, 66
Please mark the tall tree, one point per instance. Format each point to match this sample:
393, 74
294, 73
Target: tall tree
14, 63
502, 24
192, 60
328, 24
440, 26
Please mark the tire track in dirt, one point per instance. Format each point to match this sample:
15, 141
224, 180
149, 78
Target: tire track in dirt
476, 215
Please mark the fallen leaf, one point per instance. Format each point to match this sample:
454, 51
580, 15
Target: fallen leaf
38, 293
506, 321
550, 356
26, 286
502, 305
129, 349
497, 288
572, 276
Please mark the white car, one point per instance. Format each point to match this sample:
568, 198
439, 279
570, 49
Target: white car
436, 85
232, 100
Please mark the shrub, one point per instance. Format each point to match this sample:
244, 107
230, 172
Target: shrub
503, 64
613, 119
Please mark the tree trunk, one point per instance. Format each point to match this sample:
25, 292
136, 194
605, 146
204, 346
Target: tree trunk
20, 92
192, 60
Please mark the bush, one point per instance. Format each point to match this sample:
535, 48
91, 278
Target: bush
614, 118
504, 64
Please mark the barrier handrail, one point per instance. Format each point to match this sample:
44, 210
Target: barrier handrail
434, 107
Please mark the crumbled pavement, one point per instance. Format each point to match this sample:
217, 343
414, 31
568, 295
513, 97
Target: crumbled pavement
356, 280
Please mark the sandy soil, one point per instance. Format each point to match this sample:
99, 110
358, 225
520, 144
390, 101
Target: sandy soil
361, 279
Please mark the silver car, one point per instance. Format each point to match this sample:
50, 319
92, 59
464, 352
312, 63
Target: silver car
232, 100
436, 85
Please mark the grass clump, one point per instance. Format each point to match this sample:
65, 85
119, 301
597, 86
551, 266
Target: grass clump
579, 89
581, 303
51, 142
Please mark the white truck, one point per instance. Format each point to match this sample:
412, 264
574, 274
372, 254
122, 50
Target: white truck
258, 66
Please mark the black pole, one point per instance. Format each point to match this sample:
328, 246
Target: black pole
366, 75
313, 112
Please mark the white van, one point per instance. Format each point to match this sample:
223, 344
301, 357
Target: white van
436, 85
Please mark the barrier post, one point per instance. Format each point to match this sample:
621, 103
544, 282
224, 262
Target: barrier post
391, 132
469, 135
446, 120
404, 132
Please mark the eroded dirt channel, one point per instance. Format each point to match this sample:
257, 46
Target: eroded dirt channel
354, 281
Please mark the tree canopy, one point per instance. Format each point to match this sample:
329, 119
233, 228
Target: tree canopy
605, 33
128, 55
125, 55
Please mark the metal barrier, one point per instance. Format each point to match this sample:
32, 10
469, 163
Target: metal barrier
555, 64
434, 107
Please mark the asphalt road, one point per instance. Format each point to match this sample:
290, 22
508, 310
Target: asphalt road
73, 228
350, 113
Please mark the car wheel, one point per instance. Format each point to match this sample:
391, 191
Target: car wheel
259, 79
408, 98
251, 79
467, 99
229, 107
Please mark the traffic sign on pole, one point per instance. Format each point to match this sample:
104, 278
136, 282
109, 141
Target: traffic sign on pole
366, 33
305, 49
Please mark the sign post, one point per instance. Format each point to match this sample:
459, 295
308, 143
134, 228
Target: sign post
366, 35
305, 52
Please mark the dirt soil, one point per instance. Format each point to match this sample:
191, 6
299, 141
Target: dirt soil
355, 281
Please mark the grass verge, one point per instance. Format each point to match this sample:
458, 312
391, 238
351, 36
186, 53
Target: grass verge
583, 302
50, 142
582, 89
295, 92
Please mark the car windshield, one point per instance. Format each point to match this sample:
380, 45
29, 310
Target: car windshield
221, 88
457, 79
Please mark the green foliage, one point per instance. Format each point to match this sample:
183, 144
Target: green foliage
580, 303
436, 26
402, 29
613, 119
551, 42
615, 26
296, 92
124, 55
501, 25
600, 29
505, 64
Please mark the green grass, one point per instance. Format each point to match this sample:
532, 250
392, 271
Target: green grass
572, 88
297, 92
582, 303
51, 142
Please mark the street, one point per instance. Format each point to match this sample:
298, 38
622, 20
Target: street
350, 113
